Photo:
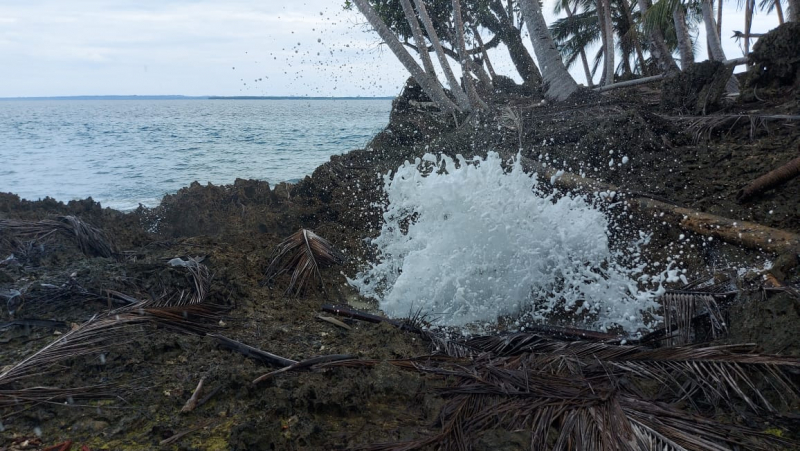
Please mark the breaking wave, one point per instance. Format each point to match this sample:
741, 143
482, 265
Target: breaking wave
468, 241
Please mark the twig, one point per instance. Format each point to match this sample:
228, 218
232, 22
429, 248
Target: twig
253, 353
180, 435
191, 404
304, 364
334, 321
208, 397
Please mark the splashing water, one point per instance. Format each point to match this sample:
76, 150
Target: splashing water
471, 242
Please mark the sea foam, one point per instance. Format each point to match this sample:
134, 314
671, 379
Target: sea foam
467, 243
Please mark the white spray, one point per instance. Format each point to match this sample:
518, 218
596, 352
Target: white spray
468, 243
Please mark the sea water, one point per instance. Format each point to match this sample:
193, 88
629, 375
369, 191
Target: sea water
467, 241
126, 152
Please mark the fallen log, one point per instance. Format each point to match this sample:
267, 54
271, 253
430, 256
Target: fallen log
771, 179
741, 233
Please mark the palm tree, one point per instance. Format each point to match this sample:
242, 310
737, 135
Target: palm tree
577, 50
464, 59
500, 21
461, 97
607, 35
578, 30
715, 47
429, 84
682, 34
558, 83
658, 46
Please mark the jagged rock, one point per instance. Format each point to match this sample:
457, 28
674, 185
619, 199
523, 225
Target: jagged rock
776, 59
697, 90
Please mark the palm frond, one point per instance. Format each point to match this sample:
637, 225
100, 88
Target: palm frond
572, 409
91, 240
302, 253
682, 307
98, 335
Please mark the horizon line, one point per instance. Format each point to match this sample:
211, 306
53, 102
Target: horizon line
178, 96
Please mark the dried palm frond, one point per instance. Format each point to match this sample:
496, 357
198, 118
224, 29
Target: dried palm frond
719, 374
91, 240
98, 335
201, 279
302, 253
681, 308
702, 127
580, 406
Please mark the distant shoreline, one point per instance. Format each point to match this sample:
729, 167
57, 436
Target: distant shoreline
191, 98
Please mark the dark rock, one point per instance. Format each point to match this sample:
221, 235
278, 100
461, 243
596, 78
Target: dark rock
776, 59
697, 90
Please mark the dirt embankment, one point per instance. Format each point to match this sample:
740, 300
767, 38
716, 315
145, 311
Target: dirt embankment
626, 137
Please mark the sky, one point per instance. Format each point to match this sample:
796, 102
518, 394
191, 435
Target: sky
212, 47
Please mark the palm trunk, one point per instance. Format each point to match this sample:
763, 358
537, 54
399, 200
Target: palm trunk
715, 47
719, 17
512, 38
794, 11
558, 83
429, 85
483, 52
658, 48
419, 39
607, 34
635, 36
779, 11
684, 40
455, 88
465, 60
748, 24
589, 81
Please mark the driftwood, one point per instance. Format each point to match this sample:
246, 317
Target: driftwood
770, 180
623, 84
741, 233
659, 77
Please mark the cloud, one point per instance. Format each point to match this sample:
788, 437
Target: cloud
191, 47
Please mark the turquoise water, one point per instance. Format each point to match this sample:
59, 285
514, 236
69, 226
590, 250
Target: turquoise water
126, 152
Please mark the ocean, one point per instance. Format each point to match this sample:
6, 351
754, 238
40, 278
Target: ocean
126, 152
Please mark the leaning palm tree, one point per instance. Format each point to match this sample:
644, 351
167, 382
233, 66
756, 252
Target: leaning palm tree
671, 16
558, 83
428, 82
455, 88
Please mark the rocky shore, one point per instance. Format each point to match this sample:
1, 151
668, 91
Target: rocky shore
134, 382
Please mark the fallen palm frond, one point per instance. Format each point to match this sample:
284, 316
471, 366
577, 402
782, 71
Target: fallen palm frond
302, 253
681, 311
770, 180
701, 127
568, 403
201, 279
91, 240
99, 335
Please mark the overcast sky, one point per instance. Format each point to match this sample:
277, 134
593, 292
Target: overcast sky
204, 47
